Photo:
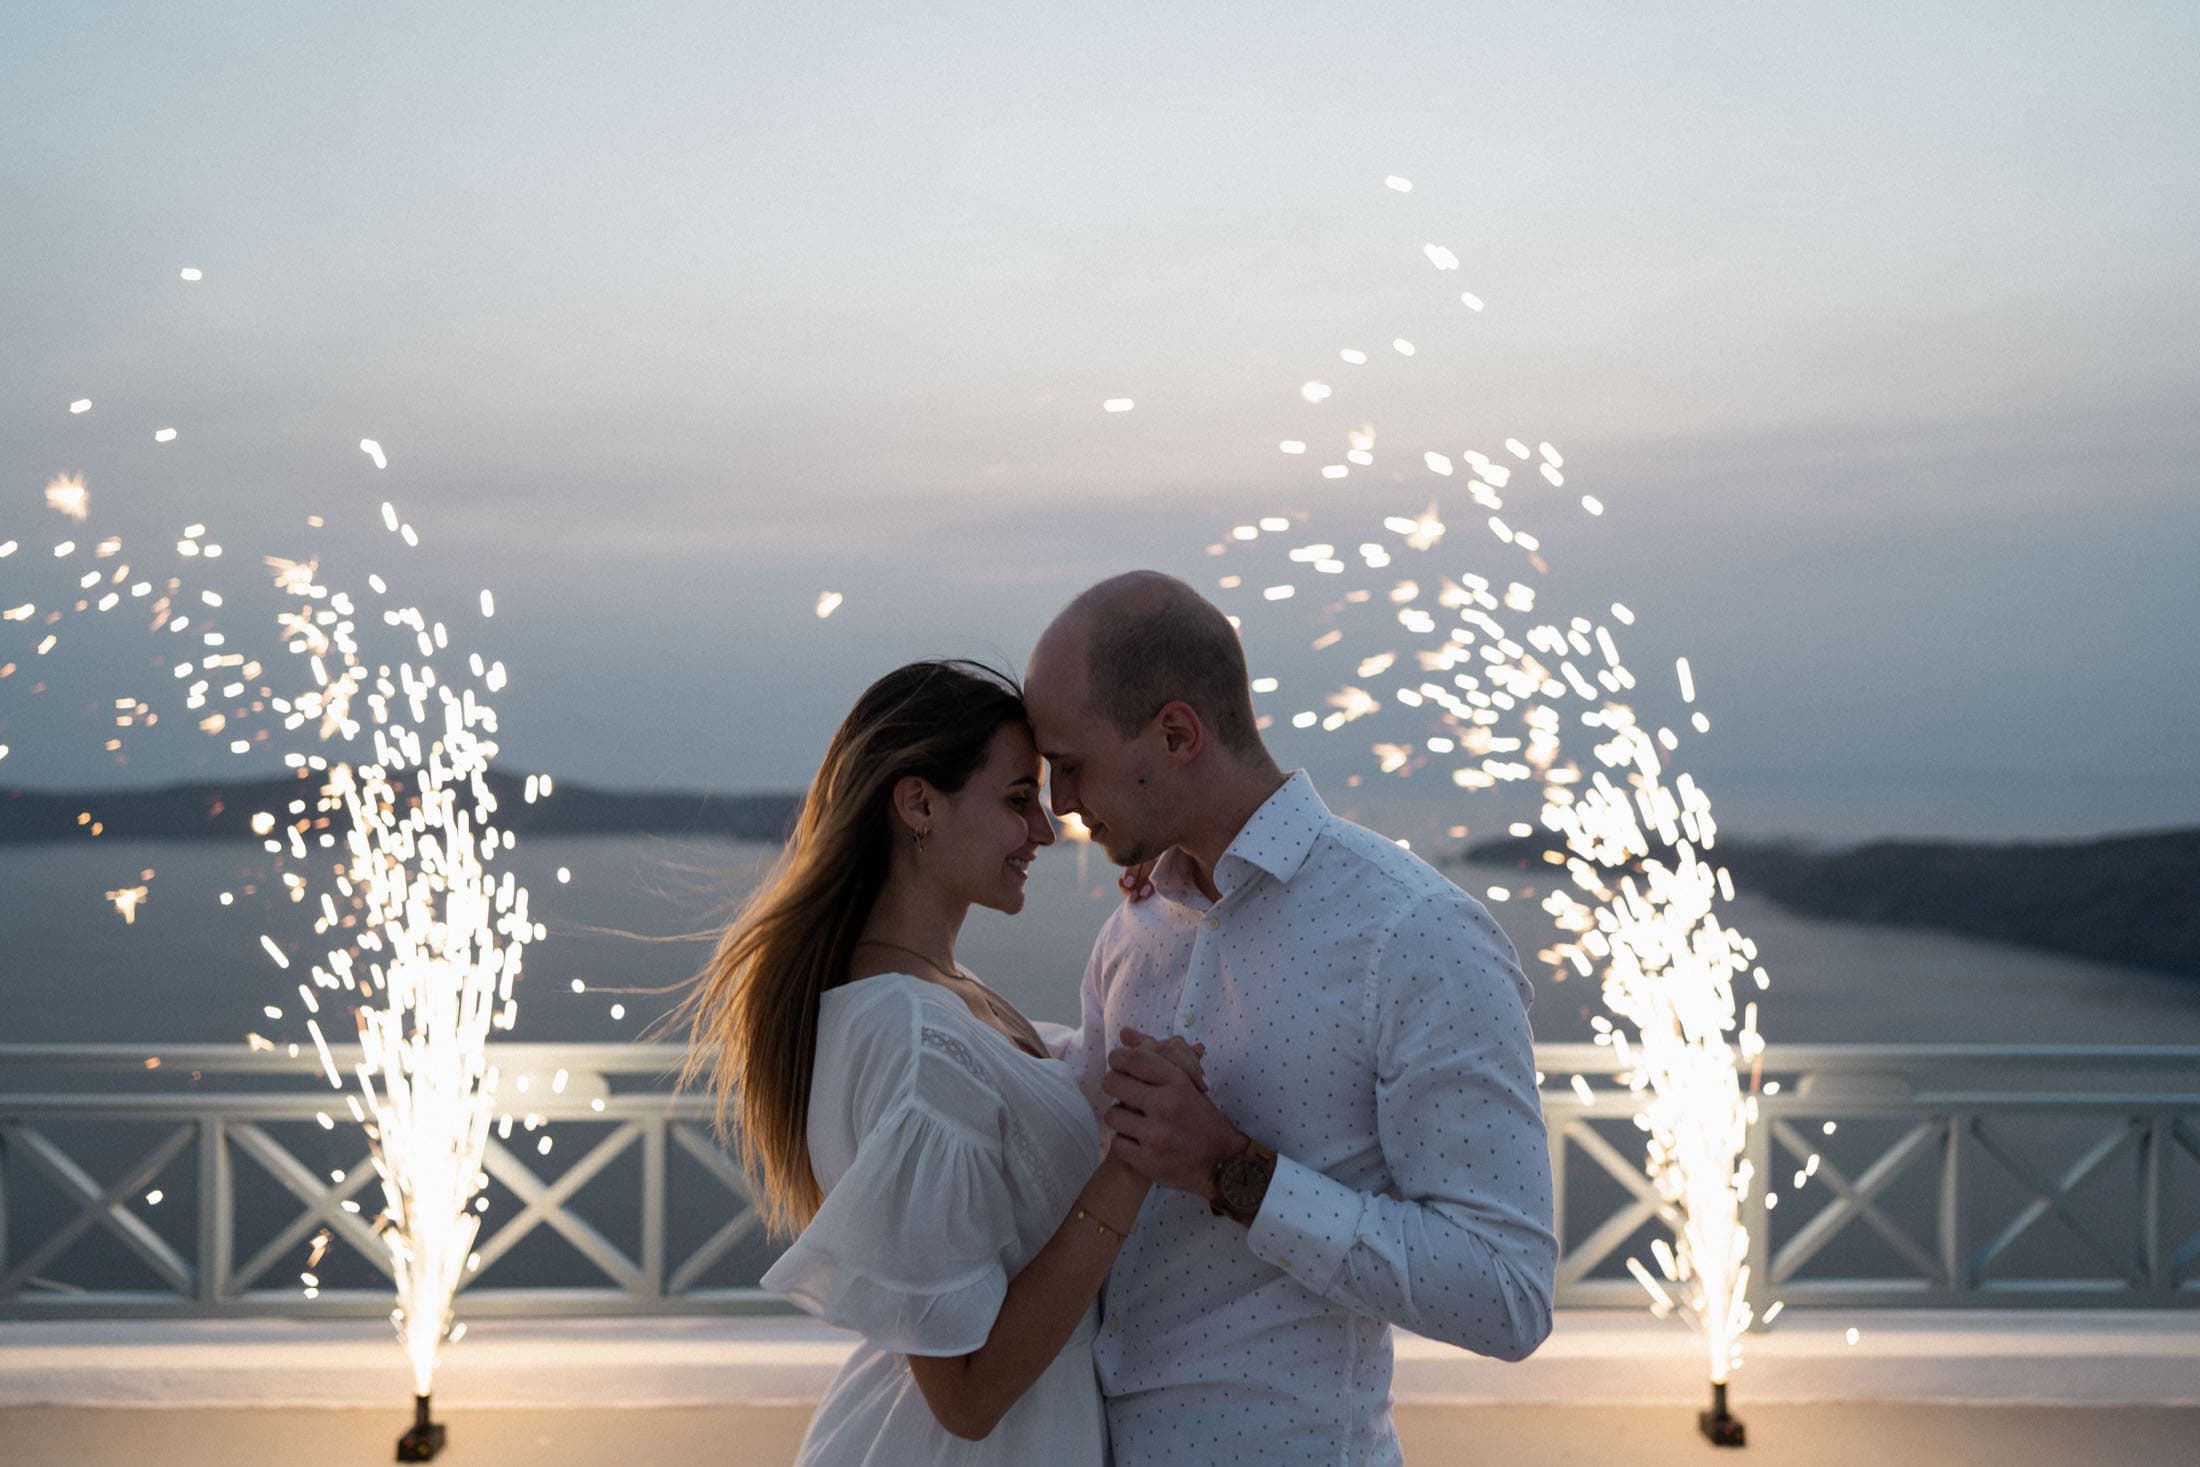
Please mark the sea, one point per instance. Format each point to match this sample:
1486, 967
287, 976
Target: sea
632, 920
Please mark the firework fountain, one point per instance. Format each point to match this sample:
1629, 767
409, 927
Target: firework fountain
426, 921
441, 938
1461, 668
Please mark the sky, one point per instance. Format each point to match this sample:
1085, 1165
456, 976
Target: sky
1870, 324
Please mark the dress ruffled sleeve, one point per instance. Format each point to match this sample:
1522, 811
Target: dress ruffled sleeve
910, 1246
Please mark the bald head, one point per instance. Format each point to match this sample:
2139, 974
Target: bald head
1145, 640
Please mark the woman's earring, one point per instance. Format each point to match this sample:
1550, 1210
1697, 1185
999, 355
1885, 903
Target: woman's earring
920, 842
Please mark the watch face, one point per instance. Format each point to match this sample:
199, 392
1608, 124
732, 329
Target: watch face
1239, 1180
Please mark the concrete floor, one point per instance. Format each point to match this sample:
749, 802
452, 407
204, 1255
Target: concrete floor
2117, 1389
1791, 1435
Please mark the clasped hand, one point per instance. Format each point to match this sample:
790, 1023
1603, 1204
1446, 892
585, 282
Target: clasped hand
1163, 1125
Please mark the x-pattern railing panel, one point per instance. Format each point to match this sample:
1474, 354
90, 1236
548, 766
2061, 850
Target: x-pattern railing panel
745, 1221
1988, 1130
99, 1206
547, 1204
324, 1207
2052, 1198
1855, 1201
1577, 1260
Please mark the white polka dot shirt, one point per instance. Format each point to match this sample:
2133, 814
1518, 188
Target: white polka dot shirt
1367, 1019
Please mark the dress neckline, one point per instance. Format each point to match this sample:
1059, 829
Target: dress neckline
960, 1008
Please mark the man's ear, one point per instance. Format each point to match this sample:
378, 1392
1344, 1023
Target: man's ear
1182, 733
912, 800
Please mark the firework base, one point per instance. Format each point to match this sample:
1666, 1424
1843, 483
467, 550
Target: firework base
426, 1437
1720, 1428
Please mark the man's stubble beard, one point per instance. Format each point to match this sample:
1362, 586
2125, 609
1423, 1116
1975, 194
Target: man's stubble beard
1138, 854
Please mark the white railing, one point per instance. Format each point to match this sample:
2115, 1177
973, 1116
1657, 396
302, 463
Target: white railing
201, 1185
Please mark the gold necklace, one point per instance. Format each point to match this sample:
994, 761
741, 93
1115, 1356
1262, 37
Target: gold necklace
1014, 1020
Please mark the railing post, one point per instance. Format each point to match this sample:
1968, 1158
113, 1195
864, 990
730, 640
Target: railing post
653, 1205
1757, 1151
217, 1211
1952, 1271
1556, 1135
2153, 1181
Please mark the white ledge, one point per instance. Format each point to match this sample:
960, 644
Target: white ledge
1594, 1357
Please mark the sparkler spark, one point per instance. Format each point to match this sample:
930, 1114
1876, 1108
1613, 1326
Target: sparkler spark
66, 493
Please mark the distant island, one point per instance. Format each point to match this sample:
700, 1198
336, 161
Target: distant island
224, 811
2128, 899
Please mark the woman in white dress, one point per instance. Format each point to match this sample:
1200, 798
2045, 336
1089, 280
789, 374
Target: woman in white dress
942, 1168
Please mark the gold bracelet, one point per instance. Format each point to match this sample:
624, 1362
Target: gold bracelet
1117, 1233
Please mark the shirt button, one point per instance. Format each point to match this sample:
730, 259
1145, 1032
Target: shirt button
1211, 923
1115, 1326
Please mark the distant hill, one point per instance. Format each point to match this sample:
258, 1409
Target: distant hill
2128, 899
224, 811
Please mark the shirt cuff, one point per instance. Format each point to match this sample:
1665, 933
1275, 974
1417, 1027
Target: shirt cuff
1306, 1224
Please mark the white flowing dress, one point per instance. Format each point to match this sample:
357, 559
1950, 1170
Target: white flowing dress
948, 1157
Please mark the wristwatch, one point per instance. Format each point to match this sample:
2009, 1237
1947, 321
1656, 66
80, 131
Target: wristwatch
1241, 1182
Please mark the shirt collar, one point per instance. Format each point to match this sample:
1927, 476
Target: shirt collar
1281, 832
1276, 840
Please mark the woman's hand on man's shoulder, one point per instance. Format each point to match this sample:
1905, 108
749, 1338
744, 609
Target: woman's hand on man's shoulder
1136, 882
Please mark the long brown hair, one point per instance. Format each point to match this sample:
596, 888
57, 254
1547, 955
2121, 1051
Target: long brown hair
753, 1009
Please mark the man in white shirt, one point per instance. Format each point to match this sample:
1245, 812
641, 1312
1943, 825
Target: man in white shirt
1369, 1149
